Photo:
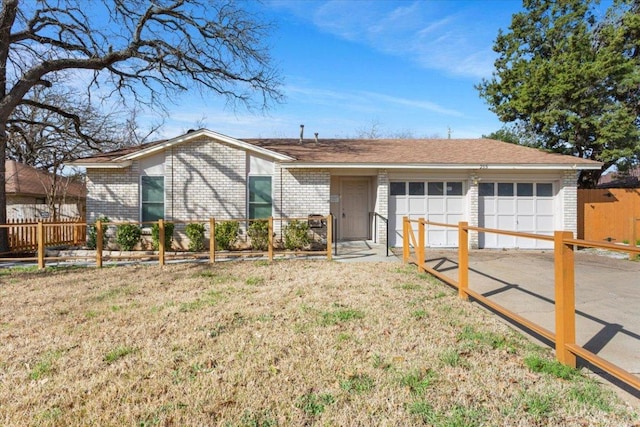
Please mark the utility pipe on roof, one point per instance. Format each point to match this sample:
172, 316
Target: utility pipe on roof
301, 133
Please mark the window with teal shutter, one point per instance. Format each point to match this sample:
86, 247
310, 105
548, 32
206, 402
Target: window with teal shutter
152, 198
260, 202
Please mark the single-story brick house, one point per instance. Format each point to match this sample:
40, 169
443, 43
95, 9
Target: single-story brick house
204, 174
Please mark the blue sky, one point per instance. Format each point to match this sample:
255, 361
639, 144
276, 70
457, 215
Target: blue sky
408, 66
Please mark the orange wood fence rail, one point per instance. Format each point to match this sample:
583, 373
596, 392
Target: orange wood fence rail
565, 322
41, 230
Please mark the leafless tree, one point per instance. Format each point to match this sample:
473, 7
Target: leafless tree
140, 51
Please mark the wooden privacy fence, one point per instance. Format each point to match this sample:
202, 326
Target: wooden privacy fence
23, 233
609, 214
163, 254
565, 321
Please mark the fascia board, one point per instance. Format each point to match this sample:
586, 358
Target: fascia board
302, 165
101, 165
204, 132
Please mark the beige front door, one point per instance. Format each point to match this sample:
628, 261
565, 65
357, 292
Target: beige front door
354, 218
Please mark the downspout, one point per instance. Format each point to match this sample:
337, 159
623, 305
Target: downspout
172, 188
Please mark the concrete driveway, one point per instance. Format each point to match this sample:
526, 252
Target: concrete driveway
607, 295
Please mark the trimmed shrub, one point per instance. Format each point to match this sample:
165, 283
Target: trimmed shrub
227, 234
127, 236
92, 234
259, 234
155, 235
296, 235
195, 233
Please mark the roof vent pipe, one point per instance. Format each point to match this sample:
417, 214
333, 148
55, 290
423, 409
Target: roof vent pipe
301, 133
316, 134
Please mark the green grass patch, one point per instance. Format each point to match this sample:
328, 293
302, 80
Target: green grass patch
419, 314
114, 293
255, 281
45, 365
471, 336
314, 404
209, 299
118, 353
451, 357
417, 381
340, 315
589, 393
410, 286
552, 367
359, 383
424, 411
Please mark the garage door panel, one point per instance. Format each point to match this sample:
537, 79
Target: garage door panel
526, 223
524, 206
435, 205
544, 206
505, 222
417, 205
455, 205
506, 206
544, 223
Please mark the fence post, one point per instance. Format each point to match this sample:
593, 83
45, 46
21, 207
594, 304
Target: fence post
212, 240
405, 239
329, 237
40, 245
463, 260
99, 240
421, 243
633, 240
161, 242
565, 297
270, 231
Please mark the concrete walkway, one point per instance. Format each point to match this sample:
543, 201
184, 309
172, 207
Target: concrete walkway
363, 251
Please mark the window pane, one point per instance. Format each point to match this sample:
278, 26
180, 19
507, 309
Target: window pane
544, 190
260, 189
259, 210
397, 188
454, 188
525, 189
153, 189
416, 188
436, 188
505, 189
152, 211
486, 189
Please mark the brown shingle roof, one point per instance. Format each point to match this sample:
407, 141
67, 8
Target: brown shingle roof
26, 180
392, 151
416, 151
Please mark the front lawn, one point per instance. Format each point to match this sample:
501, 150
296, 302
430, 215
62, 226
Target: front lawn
289, 343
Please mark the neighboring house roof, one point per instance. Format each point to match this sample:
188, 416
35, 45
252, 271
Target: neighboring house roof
631, 179
395, 153
26, 180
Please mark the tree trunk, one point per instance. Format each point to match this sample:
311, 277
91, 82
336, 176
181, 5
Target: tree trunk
4, 232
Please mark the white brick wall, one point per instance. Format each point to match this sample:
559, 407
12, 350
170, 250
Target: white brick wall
113, 193
382, 205
472, 198
569, 193
301, 192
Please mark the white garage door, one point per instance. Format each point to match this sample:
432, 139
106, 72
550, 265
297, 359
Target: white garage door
438, 201
515, 206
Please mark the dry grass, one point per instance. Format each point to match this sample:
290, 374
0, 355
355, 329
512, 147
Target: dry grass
256, 344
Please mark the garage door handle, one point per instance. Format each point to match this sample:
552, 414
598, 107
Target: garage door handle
343, 215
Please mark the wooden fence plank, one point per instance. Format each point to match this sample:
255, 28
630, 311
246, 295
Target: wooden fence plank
605, 214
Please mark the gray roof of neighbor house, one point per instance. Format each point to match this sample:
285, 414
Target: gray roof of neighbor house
26, 180
368, 152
